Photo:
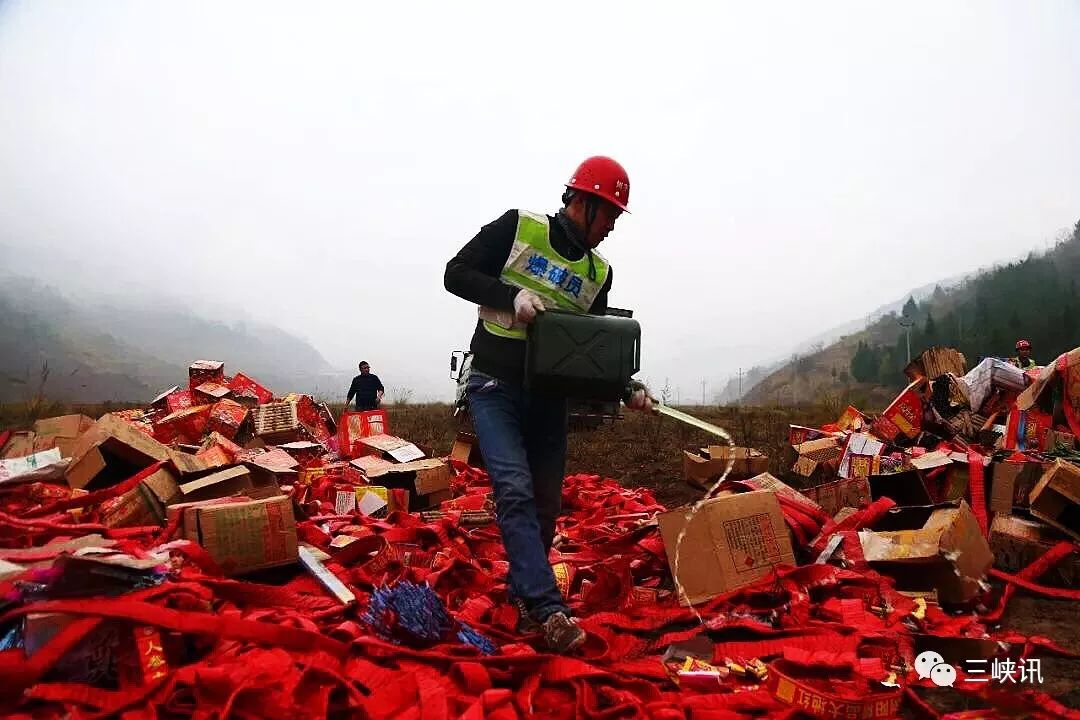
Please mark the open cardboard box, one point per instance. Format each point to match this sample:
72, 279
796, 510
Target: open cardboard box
704, 468
1019, 541
247, 480
428, 480
1056, 498
833, 496
111, 451
1011, 484
60, 432
144, 504
934, 547
731, 541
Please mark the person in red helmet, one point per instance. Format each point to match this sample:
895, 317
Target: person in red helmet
515, 267
1023, 359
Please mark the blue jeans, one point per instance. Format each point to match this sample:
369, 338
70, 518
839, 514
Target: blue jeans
523, 441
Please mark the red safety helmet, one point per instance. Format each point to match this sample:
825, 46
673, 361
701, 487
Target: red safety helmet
1023, 345
603, 177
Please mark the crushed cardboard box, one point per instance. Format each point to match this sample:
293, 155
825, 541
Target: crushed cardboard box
730, 542
930, 548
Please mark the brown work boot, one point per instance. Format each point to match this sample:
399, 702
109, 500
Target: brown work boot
562, 634
526, 625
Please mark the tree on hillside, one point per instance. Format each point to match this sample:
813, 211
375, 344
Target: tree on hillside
864, 363
910, 308
930, 332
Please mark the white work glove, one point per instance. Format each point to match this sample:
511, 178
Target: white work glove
640, 399
526, 305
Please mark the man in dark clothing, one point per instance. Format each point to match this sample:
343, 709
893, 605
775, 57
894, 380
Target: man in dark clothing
367, 388
515, 267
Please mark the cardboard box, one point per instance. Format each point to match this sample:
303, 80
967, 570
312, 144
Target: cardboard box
211, 392
1011, 484
392, 448
244, 536
1027, 429
202, 371
1017, 542
20, 444
61, 432
859, 451
428, 481
226, 418
236, 481
187, 425
1059, 440
161, 401
109, 452
1048, 377
766, 481
799, 434
245, 388
703, 469
930, 548
1056, 498
179, 400
905, 488
731, 542
145, 503
821, 449
277, 423
903, 417
834, 496
466, 449
935, 362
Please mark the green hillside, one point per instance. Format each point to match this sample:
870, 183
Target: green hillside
1036, 298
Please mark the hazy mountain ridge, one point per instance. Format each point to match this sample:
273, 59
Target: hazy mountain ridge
1035, 297
96, 348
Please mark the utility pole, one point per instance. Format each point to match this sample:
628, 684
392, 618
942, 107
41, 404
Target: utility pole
906, 323
740, 387
702, 392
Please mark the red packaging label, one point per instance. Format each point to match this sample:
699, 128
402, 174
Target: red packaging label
243, 386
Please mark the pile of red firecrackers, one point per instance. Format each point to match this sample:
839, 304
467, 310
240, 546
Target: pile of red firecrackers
290, 651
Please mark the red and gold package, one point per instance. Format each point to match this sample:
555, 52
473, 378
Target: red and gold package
244, 387
226, 417
178, 400
307, 412
693, 674
187, 425
202, 371
902, 417
214, 439
1026, 429
564, 577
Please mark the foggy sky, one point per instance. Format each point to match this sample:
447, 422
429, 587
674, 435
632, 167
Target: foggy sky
793, 165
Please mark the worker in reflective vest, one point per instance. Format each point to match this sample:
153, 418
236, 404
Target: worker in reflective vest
1023, 359
514, 268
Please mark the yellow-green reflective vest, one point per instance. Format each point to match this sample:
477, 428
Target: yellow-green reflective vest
534, 265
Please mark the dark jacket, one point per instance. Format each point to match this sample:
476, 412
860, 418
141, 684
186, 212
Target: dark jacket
473, 274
